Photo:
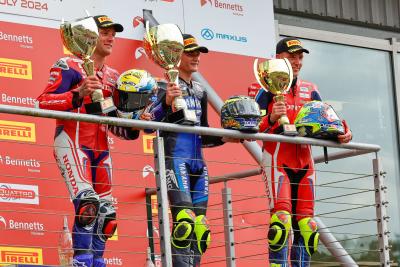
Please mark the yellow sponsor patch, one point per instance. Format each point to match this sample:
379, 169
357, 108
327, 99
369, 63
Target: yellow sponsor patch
18, 255
14, 68
115, 236
293, 42
19, 131
154, 205
104, 19
148, 144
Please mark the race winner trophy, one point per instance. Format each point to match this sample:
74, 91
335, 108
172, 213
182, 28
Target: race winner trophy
276, 76
80, 38
164, 45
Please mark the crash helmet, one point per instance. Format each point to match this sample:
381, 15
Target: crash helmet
318, 120
135, 91
240, 113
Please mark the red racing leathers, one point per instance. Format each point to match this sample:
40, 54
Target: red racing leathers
82, 154
289, 168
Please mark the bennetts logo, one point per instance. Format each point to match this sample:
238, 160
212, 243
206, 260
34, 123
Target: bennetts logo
227, 5
14, 68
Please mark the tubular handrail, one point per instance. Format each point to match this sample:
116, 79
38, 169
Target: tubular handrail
35, 112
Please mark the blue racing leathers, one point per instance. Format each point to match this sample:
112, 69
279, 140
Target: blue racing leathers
187, 176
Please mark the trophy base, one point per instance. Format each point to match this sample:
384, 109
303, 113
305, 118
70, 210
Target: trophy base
183, 117
101, 107
287, 129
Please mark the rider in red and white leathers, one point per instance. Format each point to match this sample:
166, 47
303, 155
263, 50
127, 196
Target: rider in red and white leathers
82, 151
289, 168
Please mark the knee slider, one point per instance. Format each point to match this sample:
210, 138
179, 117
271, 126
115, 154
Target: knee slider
309, 232
87, 208
203, 233
279, 228
107, 223
183, 228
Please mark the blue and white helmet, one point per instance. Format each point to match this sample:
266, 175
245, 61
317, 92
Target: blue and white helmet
240, 113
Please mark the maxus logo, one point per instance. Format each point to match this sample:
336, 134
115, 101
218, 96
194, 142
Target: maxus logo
15, 255
19, 131
19, 193
14, 68
209, 34
236, 8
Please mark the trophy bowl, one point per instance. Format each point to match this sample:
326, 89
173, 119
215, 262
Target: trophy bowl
276, 76
164, 45
80, 38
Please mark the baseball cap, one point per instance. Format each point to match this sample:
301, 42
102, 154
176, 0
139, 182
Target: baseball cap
191, 44
104, 21
290, 45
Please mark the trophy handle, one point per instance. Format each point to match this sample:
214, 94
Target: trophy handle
255, 70
172, 76
283, 119
148, 33
88, 66
290, 73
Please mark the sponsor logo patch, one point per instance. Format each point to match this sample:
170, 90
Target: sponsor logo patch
14, 68
148, 144
19, 193
18, 131
18, 255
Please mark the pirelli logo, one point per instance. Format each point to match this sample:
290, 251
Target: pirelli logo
17, 255
293, 42
104, 19
154, 205
14, 68
148, 144
19, 131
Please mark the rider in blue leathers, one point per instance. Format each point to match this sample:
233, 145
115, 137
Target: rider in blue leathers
187, 175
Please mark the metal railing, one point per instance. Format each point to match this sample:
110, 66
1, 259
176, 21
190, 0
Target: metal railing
230, 243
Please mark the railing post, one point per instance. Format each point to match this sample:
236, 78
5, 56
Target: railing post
150, 232
228, 227
381, 213
162, 200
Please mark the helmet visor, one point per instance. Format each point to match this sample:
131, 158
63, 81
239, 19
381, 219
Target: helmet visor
244, 108
131, 101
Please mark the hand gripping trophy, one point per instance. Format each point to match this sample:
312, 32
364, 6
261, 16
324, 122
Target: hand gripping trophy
276, 76
164, 45
80, 38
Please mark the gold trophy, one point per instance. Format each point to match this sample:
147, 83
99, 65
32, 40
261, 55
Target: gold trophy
164, 45
80, 38
276, 76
